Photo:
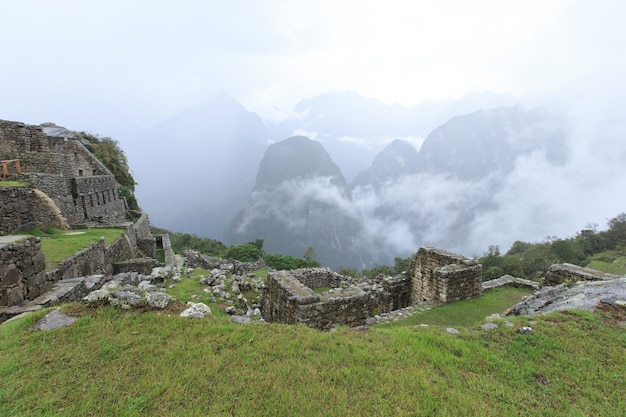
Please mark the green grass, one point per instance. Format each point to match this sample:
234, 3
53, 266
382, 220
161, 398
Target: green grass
467, 313
615, 266
58, 245
112, 362
14, 184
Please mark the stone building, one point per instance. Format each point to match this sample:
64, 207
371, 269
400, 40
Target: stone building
437, 275
83, 190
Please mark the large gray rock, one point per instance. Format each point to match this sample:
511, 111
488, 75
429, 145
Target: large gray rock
582, 295
197, 310
97, 297
158, 300
126, 299
54, 320
240, 319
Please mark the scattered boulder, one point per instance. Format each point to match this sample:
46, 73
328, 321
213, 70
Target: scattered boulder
452, 330
97, 297
240, 319
126, 299
489, 326
196, 310
158, 300
54, 320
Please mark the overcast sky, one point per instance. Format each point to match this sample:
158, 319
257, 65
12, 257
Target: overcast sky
89, 65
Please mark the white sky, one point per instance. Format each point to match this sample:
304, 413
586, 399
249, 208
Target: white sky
77, 62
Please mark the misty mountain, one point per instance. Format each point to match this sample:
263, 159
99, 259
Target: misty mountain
398, 159
293, 205
203, 163
405, 199
295, 158
354, 129
472, 146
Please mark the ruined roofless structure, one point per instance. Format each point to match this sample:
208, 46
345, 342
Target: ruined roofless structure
434, 276
56, 163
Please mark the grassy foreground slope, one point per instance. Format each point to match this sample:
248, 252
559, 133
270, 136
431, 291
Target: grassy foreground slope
112, 362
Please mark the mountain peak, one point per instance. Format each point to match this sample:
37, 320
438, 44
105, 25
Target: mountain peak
397, 159
296, 157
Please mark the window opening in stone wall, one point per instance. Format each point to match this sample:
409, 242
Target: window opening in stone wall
80, 172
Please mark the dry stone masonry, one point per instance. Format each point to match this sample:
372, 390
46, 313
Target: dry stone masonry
77, 185
437, 275
287, 299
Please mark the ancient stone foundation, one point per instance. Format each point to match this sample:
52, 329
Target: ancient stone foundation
437, 275
287, 299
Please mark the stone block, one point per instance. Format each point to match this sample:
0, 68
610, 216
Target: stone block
10, 275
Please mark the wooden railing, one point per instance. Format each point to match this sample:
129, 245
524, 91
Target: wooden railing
6, 163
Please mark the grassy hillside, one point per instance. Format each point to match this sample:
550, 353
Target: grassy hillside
112, 362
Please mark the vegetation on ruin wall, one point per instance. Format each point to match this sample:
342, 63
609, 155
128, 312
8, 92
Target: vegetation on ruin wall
113, 157
4, 183
602, 250
248, 252
58, 245
114, 362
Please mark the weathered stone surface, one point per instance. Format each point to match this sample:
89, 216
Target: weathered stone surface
509, 280
54, 320
158, 300
443, 276
11, 275
196, 310
125, 299
568, 273
489, 326
452, 330
97, 297
286, 299
240, 319
582, 295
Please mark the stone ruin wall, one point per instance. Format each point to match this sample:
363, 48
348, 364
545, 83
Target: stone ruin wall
444, 276
395, 293
318, 277
83, 189
21, 209
562, 273
22, 264
22, 272
97, 197
288, 300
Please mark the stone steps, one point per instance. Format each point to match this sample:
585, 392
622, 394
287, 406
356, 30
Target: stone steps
65, 290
